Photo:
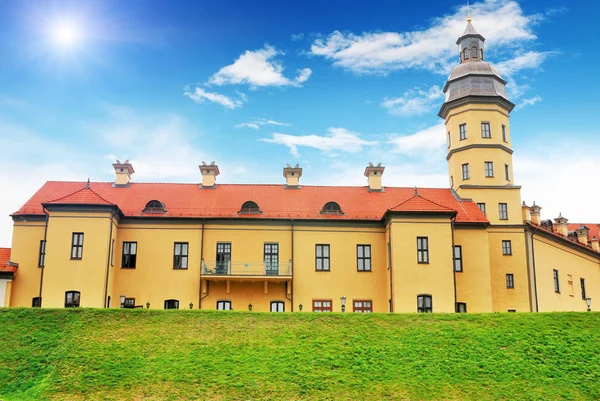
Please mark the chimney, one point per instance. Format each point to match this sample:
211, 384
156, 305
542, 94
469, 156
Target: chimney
525, 211
123, 173
209, 174
535, 213
595, 242
292, 176
582, 234
561, 225
373, 174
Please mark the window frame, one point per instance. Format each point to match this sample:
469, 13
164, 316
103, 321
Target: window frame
362, 308
474, 52
488, 167
36, 302
510, 281
484, 125
504, 135
364, 258
224, 302
556, 278
583, 289
503, 211
423, 250
181, 256
42, 253
507, 247
129, 303
507, 172
466, 172
72, 304
484, 210
250, 207
271, 258
322, 308
332, 208
323, 258
424, 308
462, 132
226, 251
459, 259
131, 262
278, 303
458, 307
112, 253
449, 141
171, 302
154, 206
77, 246
466, 53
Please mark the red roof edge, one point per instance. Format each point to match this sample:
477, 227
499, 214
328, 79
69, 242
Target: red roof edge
565, 238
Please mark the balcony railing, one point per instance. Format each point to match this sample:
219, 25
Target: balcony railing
246, 269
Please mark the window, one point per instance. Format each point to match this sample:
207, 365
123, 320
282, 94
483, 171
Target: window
504, 136
510, 280
112, 252
171, 304
556, 282
362, 306
486, 132
424, 304
570, 285
462, 129
512, 310
503, 211
180, 255
223, 257
320, 305
448, 141
461, 307
465, 54
155, 207
458, 267
489, 169
473, 52
465, 171
363, 258
129, 303
250, 208
506, 247
422, 250
77, 246
271, 258
42, 256
331, 208
506, 173
277, 306
322, 257
224, 305
72, 299
36, 302
481, 50
129, 257
451, 181
481, 207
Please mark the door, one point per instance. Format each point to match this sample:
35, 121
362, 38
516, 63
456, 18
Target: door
271, 257
223, 257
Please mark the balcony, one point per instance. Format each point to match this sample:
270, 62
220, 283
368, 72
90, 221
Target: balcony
260, 269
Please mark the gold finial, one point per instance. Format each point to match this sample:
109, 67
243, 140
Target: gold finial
468, 11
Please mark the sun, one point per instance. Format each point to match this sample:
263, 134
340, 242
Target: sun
65, 35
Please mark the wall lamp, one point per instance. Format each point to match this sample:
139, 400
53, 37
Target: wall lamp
588, 301
122, 298
343, 301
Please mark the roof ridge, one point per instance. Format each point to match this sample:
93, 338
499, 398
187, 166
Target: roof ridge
80, 190
421, 196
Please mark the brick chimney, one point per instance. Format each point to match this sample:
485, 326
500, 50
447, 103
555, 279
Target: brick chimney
582, 234
373, 174
560, 223
292, 176
535, 212
595, 242
525, 212
123, 173
209, 174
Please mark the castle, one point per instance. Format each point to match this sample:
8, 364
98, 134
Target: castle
473, 247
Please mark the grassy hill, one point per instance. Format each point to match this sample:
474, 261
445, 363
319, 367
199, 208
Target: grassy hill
144, 354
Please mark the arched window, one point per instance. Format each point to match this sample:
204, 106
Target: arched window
473, 52
224, 305
171, 304
72, 299
332, 208
155, 206
250, 207
465, 53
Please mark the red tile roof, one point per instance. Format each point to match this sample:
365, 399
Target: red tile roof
4, 259
419, 203
571, 227
83, 196
275, 201
594, 229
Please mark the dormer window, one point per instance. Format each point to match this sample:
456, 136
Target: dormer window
250, 208
473, 52
155, 206
465, 54
331, 208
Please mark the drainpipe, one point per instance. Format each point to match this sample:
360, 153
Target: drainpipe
391, 269
537, 305
453, 269
201, 264
293, 269
110, 253
45, 253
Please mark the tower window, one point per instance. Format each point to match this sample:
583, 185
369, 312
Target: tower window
489, 169
481, 50
481, 207
473, 52
451, 181
462, 129
486, 131
448, 138
506, 247
503, 211
504, 135
465, 171
465, 54
510, 280
424, 304
506, 173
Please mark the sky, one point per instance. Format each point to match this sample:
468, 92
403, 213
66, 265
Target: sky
331, 85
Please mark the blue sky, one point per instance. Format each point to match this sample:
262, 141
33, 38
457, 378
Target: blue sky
255, 85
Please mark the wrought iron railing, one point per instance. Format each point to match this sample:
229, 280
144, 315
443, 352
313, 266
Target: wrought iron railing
246, 269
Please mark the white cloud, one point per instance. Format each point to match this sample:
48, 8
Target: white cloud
503, 23
528, 60
259, 122
428, 139
247, 125
199, 95
258, 68
529, 102
413, 102
338, 139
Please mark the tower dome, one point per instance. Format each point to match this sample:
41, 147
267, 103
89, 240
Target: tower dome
474, 79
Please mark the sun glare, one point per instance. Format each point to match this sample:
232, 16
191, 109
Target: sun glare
65, 35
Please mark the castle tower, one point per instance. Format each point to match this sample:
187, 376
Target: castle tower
477, 112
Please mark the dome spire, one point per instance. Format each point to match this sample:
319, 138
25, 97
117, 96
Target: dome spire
468, 11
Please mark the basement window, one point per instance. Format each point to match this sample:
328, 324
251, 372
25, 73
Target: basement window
171, 304
424, 303
249, 207
155, 207
72, 299
331, 208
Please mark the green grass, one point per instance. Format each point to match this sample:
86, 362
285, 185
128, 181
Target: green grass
89, 354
